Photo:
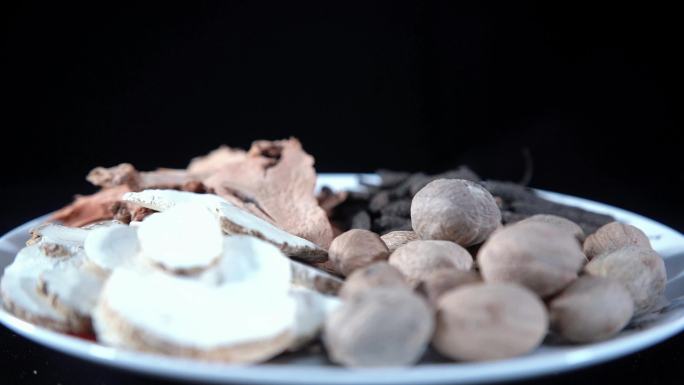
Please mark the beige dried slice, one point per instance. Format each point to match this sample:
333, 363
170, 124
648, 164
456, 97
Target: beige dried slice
277, 179
313, 278
161, 313
19, 287
233, 219
53, 233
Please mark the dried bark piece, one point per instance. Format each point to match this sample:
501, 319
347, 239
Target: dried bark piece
91, 208
279, 177
216, 160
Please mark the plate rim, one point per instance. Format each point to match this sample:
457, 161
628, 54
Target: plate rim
514, 368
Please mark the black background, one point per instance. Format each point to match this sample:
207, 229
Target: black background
592, 92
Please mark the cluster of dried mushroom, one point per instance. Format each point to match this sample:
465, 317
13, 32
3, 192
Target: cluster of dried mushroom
234, 259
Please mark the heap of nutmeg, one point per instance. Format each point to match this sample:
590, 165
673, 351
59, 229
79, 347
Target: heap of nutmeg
475, 289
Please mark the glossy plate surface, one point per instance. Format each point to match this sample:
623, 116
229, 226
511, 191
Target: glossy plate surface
315, 370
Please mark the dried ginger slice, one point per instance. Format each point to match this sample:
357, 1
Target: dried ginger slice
278, 179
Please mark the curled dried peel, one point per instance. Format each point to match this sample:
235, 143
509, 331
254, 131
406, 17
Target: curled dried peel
234, 220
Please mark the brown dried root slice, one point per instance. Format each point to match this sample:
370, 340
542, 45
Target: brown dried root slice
560, 222
640, 270
536, 255
417, 259
355, 249
614, 236
591, 309
396, 239
233, 219
488, 322
440, 282
160, 313
312, 310
276, 179
455, 210
111, 246
378, 274
383, 327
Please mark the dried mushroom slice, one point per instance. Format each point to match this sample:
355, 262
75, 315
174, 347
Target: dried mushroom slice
161, 313
234, 220
182, 239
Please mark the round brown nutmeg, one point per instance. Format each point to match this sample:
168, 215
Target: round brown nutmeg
640, 270
377, 274
355, 249
536, 255
417, 259
489, 321
591, 309
383, 327
396, 239
439, 282
614, 236
455, 210
559, 222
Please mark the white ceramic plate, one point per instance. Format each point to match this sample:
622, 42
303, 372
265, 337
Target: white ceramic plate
315, 370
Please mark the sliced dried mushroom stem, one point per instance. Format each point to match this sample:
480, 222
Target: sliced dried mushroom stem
233, 219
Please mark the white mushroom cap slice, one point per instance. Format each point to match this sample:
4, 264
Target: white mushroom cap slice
72, 290
167, 314
58, 234
184, 238
112, 246
234, 220
261, 267
19, 287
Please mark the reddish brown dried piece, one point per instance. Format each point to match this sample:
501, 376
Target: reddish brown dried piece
91, 208
276, 180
